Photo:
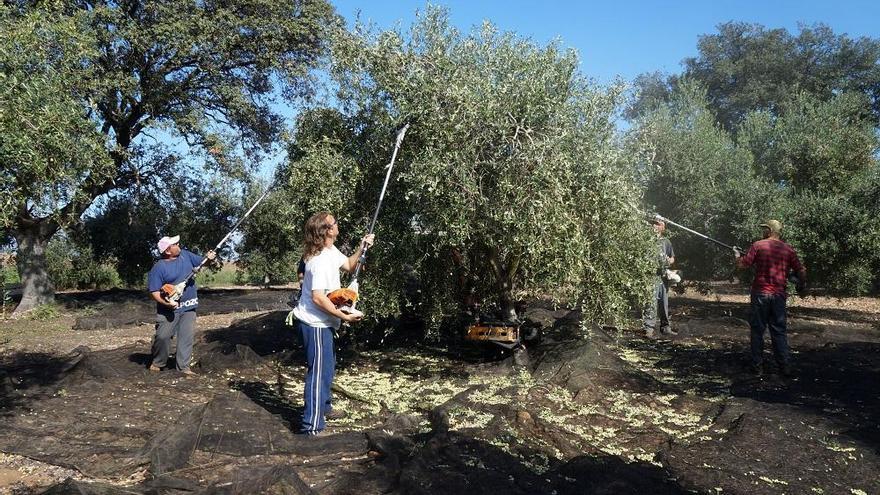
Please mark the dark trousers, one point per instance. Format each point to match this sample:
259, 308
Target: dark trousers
658, 311
768, 310
320, 370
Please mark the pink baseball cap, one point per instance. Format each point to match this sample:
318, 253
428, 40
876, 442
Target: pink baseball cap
166, 241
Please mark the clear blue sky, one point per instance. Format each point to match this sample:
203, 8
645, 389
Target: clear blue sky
619, 38
627, 38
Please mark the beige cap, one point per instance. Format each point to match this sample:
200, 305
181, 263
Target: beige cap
775, 226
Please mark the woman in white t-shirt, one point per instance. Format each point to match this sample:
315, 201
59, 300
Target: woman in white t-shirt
318, 316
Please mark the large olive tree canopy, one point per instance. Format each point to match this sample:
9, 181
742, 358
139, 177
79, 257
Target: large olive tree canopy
509, 182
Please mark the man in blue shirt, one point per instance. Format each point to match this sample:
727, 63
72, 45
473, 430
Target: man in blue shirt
174, 317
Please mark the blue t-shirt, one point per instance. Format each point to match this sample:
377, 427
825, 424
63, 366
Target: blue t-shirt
167, 271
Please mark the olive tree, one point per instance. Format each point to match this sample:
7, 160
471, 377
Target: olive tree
822, 158
509, 183
87, 84
813, 166
49, 145
696, 175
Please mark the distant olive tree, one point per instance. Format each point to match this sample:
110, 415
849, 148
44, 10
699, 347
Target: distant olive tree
814, 167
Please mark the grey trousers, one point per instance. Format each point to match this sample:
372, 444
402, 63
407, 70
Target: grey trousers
183, 326
659, 307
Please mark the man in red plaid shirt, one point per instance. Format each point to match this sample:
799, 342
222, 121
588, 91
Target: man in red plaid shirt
773, 260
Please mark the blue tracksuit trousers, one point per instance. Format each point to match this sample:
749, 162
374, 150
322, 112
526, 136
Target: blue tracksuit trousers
321, 368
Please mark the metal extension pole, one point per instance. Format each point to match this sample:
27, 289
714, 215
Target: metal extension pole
716, 241
237, 225
397, 142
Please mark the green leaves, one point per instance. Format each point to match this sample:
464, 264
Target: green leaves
728, 147
509, 181
49, 145
746, 67
97, 96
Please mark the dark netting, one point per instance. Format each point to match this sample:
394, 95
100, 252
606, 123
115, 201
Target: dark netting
74, 487
684, 419
111, 310
275, 480
235, 425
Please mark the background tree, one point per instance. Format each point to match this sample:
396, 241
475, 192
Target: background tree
107, 74
49, 145
746, 67
793, 121
812, 144
821, 155
309, 181
509, 182
127, 226
699, 177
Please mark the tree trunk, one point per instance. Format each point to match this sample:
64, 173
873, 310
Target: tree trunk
504, 284
37, 287
508, 308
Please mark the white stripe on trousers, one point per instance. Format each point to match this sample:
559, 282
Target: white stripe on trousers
316, 390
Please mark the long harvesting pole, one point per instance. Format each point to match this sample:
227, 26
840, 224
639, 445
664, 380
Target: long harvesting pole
716, 241
363, 257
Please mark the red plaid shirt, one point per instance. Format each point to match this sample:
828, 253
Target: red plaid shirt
772, 260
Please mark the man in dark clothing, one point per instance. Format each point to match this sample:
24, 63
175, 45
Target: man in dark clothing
659, 308
174, 317
772, 259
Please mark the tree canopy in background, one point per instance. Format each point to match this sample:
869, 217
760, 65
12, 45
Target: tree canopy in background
699, 177
96, 80
127, 227
764, 124
747, 67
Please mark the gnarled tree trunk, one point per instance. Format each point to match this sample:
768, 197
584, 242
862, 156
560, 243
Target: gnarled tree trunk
504, 276
37, 287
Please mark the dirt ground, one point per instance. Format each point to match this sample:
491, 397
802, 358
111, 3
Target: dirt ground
585, 410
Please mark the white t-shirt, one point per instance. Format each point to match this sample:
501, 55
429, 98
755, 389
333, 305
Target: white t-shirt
322, 273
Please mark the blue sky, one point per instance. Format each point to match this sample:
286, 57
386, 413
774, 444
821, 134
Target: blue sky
615, 39
627, 38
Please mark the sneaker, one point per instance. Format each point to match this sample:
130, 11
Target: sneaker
334, 414
188, 372
154, 368
649, 333
668, 331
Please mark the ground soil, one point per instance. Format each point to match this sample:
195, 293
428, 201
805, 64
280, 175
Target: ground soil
587, 409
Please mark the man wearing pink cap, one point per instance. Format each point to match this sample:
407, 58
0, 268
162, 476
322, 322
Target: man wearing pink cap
174, 317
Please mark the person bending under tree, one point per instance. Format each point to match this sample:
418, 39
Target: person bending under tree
772, 259
318, 317
174, 317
